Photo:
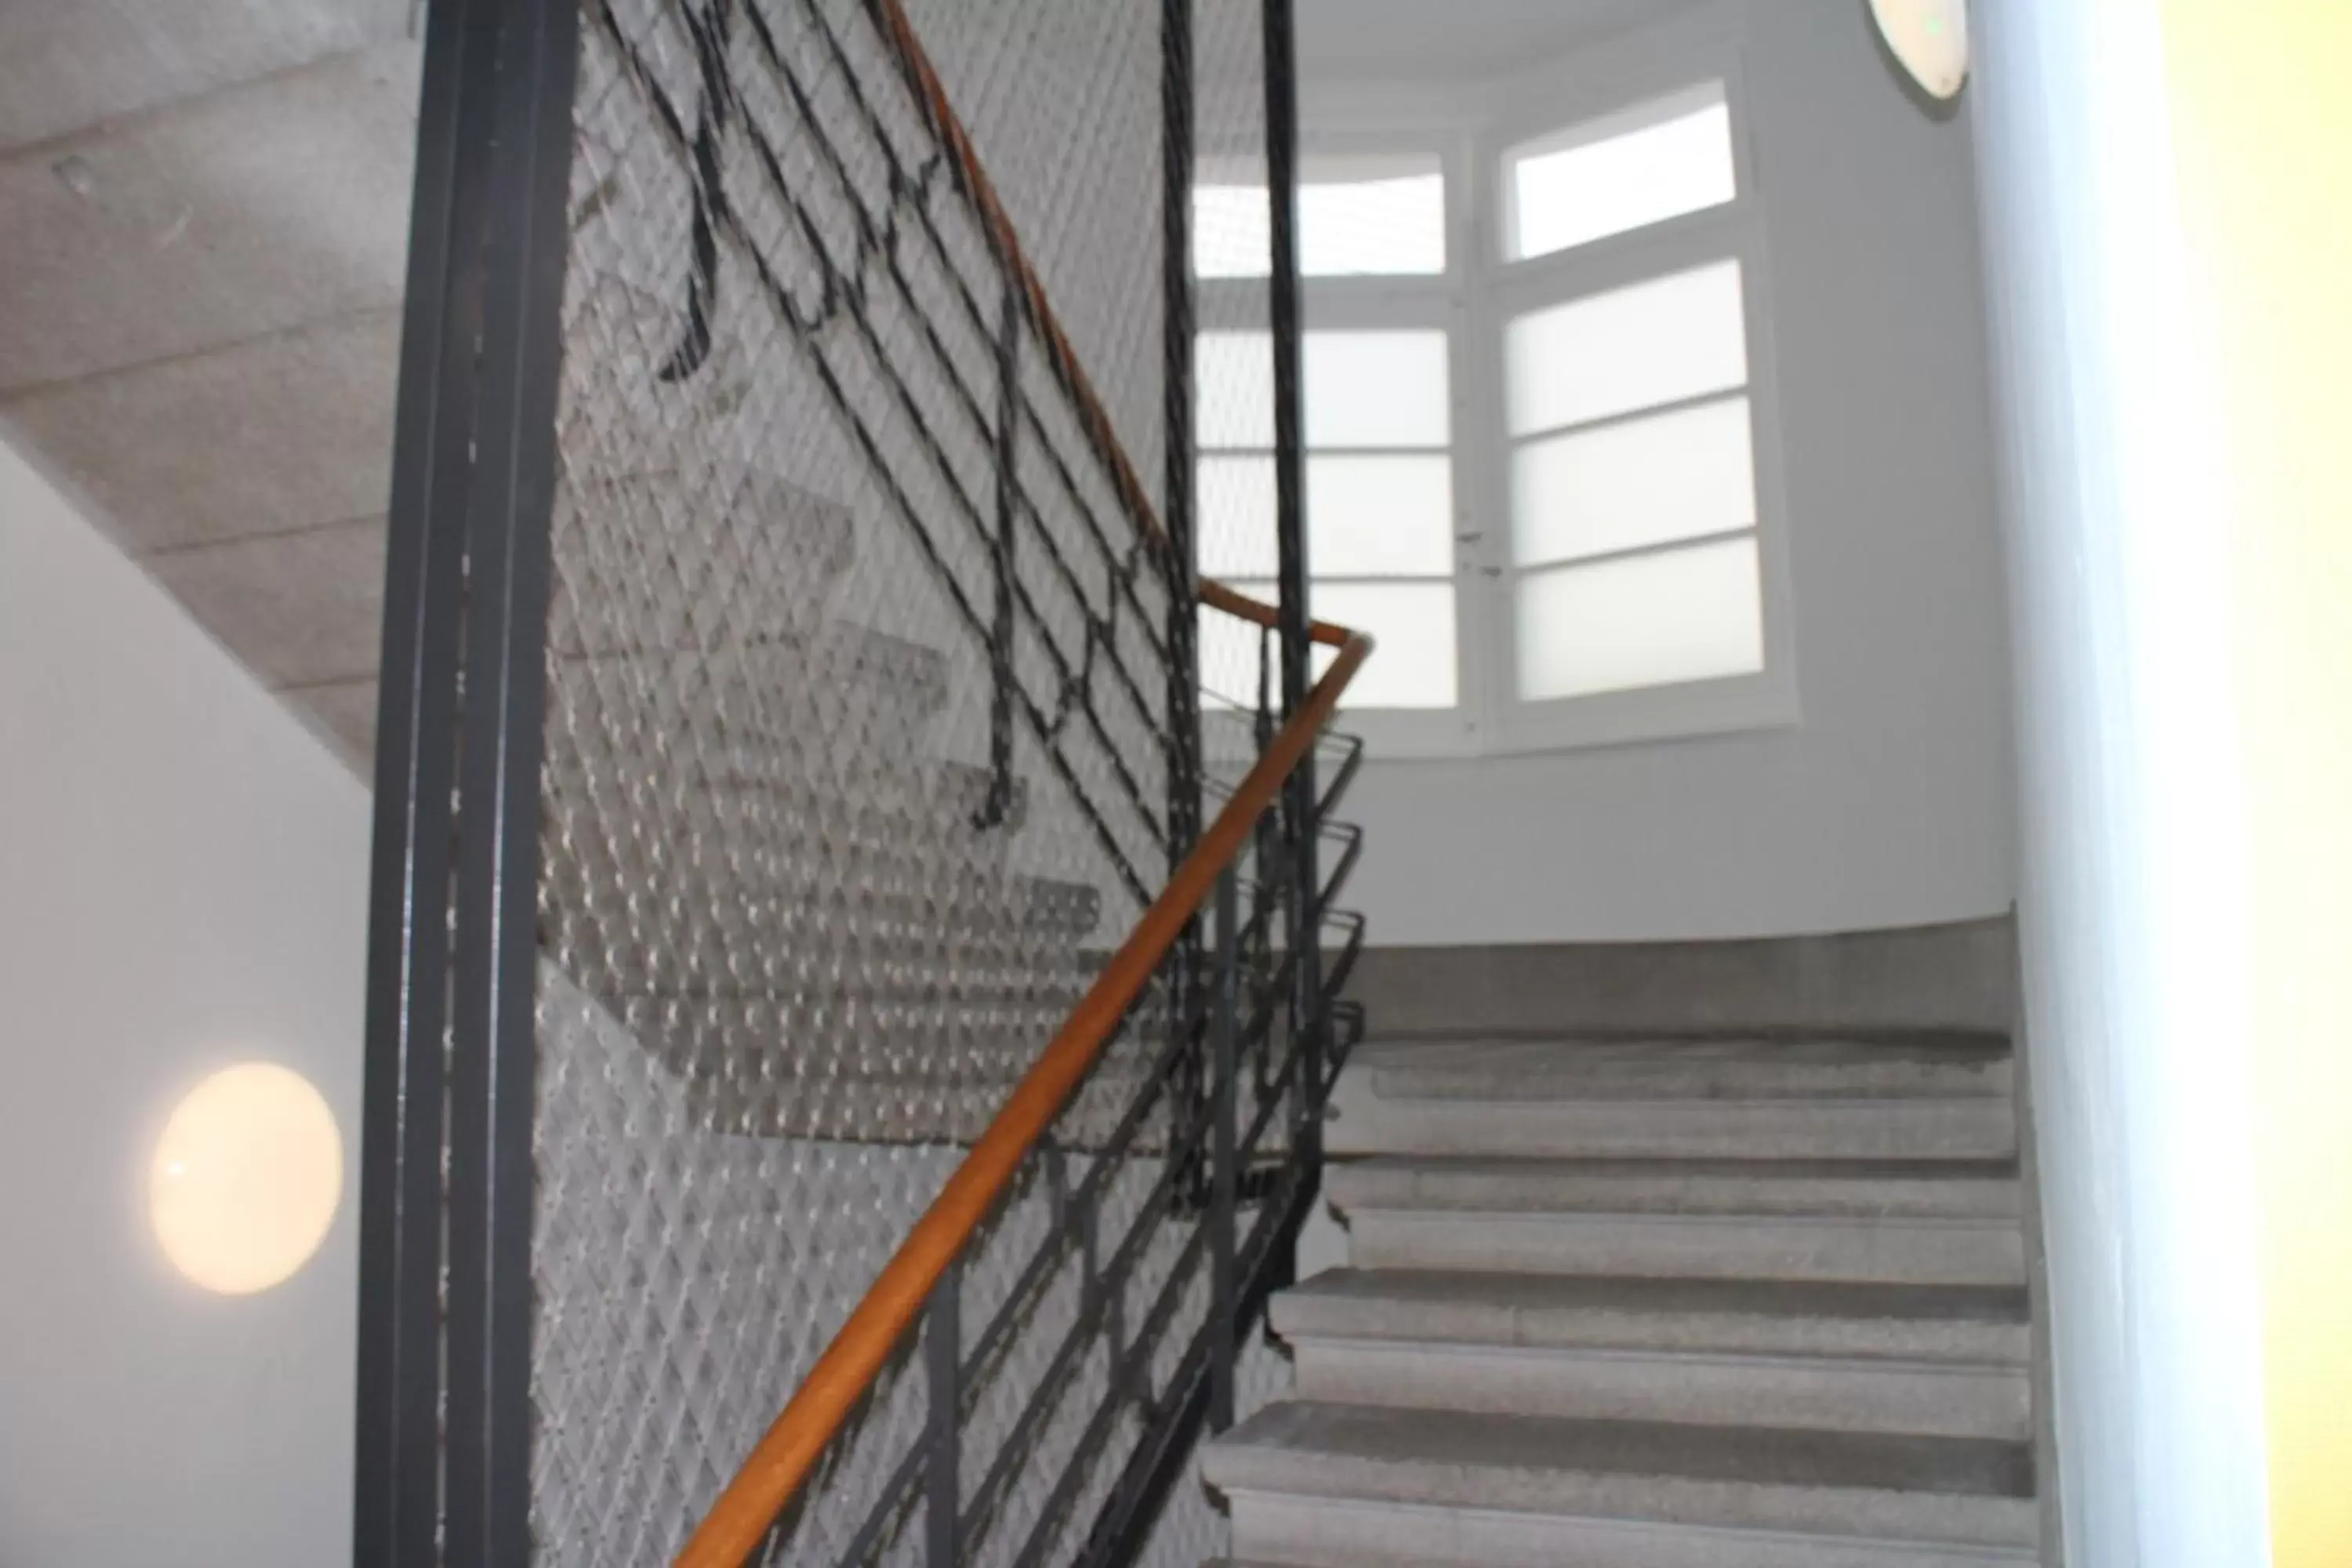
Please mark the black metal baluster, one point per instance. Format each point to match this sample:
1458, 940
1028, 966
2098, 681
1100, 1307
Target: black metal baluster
994, 809
1224, 1288
710, 29
943, 1363
1300, 797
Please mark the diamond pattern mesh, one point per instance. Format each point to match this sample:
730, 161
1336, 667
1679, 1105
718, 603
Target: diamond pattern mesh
858, 763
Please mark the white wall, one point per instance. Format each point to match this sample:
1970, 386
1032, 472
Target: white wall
1890, 803
2133, 905
183, 884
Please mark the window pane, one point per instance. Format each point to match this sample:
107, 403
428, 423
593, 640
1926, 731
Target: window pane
1232, 237
1229, 648
1649, 163
1367, 516
1647, 481
1379, 516
1386, 227
1235, 520
1381, 214
1232, 389
1674, 337
1376, 389
1363, 389
1413, 623
1652, 620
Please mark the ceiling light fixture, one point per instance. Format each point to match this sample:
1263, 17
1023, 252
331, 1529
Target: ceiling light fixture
1930, 37
245, 1178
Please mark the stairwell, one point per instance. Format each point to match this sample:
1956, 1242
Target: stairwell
1706, 1302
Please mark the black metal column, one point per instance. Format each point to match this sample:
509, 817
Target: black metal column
493, 1043
396, 1497
1178, 326
1307, 1023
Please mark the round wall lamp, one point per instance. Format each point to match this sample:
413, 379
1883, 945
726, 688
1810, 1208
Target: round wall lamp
1930, 37
245, 1178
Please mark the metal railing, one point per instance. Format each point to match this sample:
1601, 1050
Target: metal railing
824, 958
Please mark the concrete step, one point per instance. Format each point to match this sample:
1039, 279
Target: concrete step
722, 559
1898, 1224
1703, 1247
758, 707
1944, 1363
1730, 1066
1337, 1486
1366, 1122
1897, 1189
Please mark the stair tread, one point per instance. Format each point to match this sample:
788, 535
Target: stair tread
1826, 1067
1451, 1457
1488, 1295
1856, 1171
1926, 1192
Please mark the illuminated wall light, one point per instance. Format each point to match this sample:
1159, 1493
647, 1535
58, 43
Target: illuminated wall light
1930, 37
245, 1178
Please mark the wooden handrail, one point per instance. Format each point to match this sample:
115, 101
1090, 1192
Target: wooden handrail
782, 1461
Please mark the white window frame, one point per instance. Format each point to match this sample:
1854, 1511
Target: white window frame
1587, 88
1475, 299
1404, 302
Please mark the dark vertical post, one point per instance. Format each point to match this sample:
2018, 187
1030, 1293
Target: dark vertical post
493, 1045
943, 1368
1226, 1067
1291, 563
396, 1490
999, 802
1177, 516
1177, 511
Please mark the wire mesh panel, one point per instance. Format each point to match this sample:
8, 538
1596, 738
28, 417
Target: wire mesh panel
857, 754
859, 724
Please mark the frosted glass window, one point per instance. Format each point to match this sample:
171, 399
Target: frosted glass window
1379, 215
1232, 389
1361, 389
1676, 337
1231, 232
1413, 623
1380, 516
1387, 226
1228, 648
1647, 481
1372, 515
1234, 518
1376, 389
1649, 620
1649, 163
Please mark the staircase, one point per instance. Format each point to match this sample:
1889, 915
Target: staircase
1667, 1303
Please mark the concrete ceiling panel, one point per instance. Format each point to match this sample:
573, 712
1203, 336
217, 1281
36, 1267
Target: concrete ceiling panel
285, 432
73, 64
276, 204
300, 610
343, 712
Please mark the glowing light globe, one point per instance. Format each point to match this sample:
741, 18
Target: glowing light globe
245, 1178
